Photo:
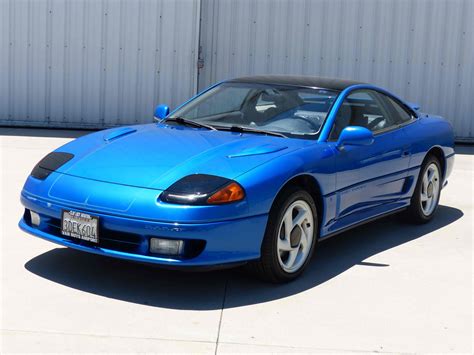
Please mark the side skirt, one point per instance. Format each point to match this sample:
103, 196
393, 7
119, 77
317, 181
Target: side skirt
345, 229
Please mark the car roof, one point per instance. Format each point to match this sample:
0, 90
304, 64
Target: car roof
297, 80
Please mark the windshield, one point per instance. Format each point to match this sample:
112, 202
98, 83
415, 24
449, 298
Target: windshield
290, 110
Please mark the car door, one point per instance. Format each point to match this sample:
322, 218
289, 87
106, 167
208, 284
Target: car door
369, 179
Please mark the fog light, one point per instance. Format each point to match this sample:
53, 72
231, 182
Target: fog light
35, 218
166, 246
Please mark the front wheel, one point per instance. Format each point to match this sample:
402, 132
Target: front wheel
425, 199
290, 237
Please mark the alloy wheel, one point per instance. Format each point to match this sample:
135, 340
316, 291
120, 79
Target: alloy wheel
295, 236
430, 189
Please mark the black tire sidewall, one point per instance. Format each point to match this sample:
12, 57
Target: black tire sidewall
415, 207
272, 232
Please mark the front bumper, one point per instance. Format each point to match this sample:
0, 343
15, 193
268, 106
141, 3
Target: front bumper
217, 243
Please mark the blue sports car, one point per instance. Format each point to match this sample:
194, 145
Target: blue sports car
252, 170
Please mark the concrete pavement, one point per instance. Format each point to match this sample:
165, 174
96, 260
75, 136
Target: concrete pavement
383, 287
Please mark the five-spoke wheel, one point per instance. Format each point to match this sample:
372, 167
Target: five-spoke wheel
430, 189
290, 237
296, 236
425, 199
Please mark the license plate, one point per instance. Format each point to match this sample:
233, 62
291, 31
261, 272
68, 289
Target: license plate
80, 225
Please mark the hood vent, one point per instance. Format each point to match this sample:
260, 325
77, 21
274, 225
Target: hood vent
117, 133
261, 149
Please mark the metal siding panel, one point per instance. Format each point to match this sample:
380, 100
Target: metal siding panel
418, 60
36, 66
91, 70
4, 58
240, 47
277, 44
145, 95
368, 32
186, 13
463, 113
433, 54
56, 18
163, 89
19, 78
264, 13
111, 37
252, 37
207, 31
95, 63
170, 72
129, 46
158, 49
74, 63
421, 49
112, 61
450, 59
401, 42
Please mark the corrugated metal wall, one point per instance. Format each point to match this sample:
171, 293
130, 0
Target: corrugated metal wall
95, 63
423, 50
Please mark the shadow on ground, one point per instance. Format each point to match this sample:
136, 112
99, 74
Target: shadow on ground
149, 285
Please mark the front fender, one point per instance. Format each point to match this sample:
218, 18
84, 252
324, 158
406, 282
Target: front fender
263, 183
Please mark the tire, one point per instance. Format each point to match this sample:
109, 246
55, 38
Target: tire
277, 265
425, 199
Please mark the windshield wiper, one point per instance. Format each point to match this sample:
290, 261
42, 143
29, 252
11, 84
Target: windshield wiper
242, 129
185, 121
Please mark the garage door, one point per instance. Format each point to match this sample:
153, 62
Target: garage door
91, 63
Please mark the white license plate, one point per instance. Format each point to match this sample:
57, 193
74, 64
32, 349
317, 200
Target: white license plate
80, 225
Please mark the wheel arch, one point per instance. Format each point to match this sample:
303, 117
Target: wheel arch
310, 184
438, 153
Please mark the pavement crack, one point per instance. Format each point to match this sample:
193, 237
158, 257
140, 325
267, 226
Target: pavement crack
118, 336
220, 318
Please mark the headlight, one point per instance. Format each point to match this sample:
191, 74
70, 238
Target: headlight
50, 163
202, 189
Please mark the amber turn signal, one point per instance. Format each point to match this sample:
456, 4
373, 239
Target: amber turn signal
229, 193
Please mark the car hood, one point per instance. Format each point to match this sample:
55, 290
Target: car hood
157, 155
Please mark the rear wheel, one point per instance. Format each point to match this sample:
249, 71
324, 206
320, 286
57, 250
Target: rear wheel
290, 237
425, 199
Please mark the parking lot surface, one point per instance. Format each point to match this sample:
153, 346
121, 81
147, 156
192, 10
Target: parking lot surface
387, 286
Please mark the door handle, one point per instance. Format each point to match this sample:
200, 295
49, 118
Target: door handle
406, 151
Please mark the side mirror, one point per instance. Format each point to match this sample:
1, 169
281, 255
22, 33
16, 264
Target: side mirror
414, 106
355, 135
161, 111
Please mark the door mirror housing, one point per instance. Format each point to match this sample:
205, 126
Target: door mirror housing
355, 135
414, 106
161, 111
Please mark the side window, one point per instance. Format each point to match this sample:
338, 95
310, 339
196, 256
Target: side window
362, 108
399, 113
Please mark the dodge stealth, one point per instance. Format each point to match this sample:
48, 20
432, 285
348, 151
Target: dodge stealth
254, 170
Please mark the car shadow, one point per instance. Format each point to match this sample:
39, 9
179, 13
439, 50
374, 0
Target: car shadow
149, 285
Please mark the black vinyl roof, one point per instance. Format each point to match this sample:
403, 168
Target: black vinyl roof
308, 81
